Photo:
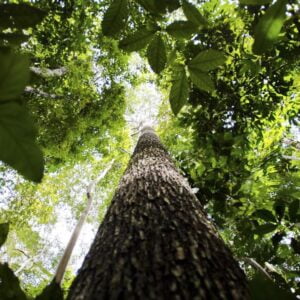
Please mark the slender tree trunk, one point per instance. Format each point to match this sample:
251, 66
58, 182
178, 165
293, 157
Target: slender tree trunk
155, 241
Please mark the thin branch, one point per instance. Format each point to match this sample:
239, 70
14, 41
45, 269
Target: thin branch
74, 237
291, 157
38, 92
256, 265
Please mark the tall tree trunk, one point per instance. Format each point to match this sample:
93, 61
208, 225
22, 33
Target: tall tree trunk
155, 241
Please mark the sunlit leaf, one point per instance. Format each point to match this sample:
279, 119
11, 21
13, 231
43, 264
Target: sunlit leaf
156, 54
14, 74
17, 137
269, 26
182, 29
137, 40
179, 90
9, 285
115, 17
4, 227
207, 60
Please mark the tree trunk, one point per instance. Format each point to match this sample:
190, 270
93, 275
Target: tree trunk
155, 241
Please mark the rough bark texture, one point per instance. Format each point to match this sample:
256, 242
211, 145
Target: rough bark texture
155, 241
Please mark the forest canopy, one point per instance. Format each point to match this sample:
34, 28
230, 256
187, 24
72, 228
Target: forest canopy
218, 80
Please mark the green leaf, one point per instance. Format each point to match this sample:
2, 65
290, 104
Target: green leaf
264, 214
255, 2
158, 7
269, 26
137, 40
13, 38
20, 15
265, 228
115, 17
4, 227
14, 74
179, 90
50, 292
156, 54
17, 133
279, 207
182, 29
294, 208
9, 285
207, 60
262, 288
295, 245
201, 80
193, 14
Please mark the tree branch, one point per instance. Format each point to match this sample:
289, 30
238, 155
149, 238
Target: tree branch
74, 237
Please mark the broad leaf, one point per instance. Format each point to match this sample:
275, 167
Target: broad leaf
269, 26
17, 140
294, 209
255, 2
158, 7
264, 214
20, 15
182, 29
193, 14
115, 17
50, 292
201, 80
279, 207
14, 74
179, 90
137, 40
207, 60
4, 227
9, 285
262, 288
13, 38
265, 228
156, 54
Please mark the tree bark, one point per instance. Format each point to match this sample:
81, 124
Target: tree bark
155, 241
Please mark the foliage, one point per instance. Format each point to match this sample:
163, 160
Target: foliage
230, 75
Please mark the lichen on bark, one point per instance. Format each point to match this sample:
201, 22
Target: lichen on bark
155, 241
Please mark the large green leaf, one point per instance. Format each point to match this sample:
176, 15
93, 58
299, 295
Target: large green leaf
14, 74
265, 228
182, 29
9, 285
51, 292
115, 17
269, 26
158, 7
13, 38
156, 54
193, 14
20, 15
262, 288
294, 209
4, 227
264, 214
207, 60
17, 140
137, 40
201, 80
179, 90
